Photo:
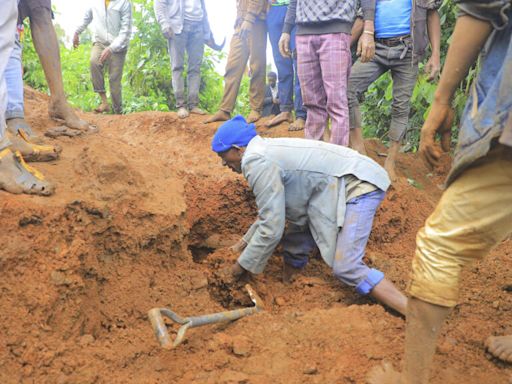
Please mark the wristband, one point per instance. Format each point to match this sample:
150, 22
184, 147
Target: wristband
369, 32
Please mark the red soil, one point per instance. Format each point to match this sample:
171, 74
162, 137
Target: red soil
141, 216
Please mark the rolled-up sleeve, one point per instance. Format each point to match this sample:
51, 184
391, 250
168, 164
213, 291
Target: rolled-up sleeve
86, 21
368, 7
291, 14
120, 43
264, 178
495, 11
162, 14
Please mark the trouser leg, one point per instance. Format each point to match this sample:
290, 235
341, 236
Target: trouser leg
8, 18
97, 68
258, 64
297, 245
195, 50
115, 69
472, 217
284, 65
335, 62
235, 68
177, 47
362, 75
348, 263
314, 96
14, 82
404, 73
300, 111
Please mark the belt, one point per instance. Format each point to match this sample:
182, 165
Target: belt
393, 41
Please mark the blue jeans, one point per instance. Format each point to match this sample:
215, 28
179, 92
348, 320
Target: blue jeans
348, 264
286, 67
14, 82
190, 40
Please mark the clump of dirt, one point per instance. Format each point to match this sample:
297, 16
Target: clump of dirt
143, 217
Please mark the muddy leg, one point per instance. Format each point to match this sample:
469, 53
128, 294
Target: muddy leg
357, 141
390, 164
386, 293
47, 47
424, 321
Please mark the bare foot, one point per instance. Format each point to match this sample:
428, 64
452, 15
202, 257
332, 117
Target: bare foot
17, 177
183, 113
31, 151
253, 117
219, 116
18, 126
500, 347
62, 110
383, 374
297, 125
103, 108
197, 111
281, 118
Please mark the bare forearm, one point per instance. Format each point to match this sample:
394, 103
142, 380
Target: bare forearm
434, 32
357, 30
468, 37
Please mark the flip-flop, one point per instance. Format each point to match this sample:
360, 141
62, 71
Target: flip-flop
63, 131
34, 152
29, 180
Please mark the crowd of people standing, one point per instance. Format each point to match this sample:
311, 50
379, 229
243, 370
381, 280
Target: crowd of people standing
328, 193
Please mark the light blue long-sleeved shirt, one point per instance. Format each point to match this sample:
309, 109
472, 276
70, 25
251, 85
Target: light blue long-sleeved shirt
112, 25
171, 13
301, 181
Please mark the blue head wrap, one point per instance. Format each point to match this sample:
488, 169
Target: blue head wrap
233, 132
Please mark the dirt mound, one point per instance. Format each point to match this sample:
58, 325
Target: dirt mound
142, 217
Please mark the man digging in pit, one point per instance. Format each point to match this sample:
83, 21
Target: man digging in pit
327, 193
475, 212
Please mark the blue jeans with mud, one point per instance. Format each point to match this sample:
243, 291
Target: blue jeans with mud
348, 264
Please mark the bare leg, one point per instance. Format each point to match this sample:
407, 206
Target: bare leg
104, 106
390, 164
281, 118
357, 141
500, 347
47, 47
424, 322
297, 125
386, 293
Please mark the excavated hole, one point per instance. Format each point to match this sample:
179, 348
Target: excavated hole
200, 252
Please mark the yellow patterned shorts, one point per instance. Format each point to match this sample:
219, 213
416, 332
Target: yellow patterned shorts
473, 216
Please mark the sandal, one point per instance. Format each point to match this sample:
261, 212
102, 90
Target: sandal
34, 152
18, 177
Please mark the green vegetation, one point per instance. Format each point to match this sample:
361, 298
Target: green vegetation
147, 77
376, 109
147, 72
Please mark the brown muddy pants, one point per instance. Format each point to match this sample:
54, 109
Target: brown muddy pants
240, 51
115, 65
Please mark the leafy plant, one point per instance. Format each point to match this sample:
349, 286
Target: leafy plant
147, 71
376, 108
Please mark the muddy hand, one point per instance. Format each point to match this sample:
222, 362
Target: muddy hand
284, 45
239, 246
439, 120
